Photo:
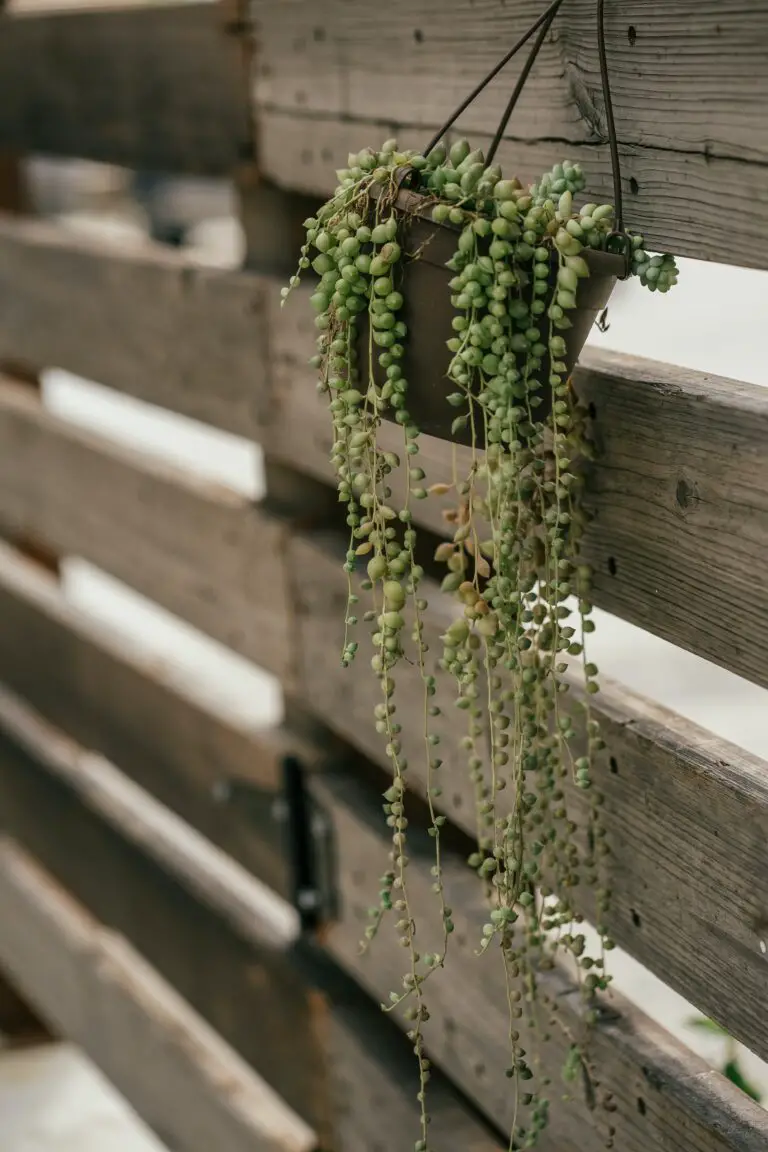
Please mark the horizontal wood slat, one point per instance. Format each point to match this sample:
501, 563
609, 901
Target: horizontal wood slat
208, 928
374, 1082
688, 82
146, 87
686, 812
146, 876
147, 321
679, 489
189, 750
179, 1075
200, 550
664, 1096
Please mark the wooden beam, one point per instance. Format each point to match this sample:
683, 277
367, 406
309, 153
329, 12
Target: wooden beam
663, 1095
689, 90
144, 320
686, 812
188, 749
179, 1075
144, 87
679, 489
200, 550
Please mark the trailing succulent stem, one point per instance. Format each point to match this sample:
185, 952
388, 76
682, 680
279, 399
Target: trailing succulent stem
523, 615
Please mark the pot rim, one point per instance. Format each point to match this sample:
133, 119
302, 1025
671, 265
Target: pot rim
601, 263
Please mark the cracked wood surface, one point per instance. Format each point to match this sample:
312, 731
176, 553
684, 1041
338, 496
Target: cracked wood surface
688, 79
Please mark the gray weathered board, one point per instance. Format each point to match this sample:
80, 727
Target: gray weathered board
97, 990
686, 812
663, 1095
689, 85
320, 1042
130, 863
145, 87
187, 748
200, 550
144, 319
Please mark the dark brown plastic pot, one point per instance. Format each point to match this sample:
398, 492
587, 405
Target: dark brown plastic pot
428, 312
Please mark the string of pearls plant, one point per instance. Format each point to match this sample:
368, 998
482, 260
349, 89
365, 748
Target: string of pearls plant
513, 564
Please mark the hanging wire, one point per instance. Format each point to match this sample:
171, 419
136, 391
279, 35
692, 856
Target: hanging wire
549, 17
543, 25
610, 123
553, 7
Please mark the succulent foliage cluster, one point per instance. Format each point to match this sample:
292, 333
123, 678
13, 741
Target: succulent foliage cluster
522, 593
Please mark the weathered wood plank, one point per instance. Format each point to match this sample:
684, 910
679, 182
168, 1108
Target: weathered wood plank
207, 926
373, 1083
679, 489
146, 87
688, 81
686, 812
145, 320
197, 548
664, 1096
202, 921
179, 1075
170, 737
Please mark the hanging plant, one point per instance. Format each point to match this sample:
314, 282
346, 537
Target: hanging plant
455, 301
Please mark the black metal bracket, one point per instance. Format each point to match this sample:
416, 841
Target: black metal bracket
309, 843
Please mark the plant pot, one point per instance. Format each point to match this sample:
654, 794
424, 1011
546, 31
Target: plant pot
427, 311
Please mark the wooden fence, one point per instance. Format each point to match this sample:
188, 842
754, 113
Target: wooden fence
133, 913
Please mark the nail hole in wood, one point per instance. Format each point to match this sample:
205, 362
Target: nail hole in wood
635, 918
612, 566
641, 1105
318, 35
592, 411
632, 35
479, 1071
418, 35
614, 765
634, 186
457, 801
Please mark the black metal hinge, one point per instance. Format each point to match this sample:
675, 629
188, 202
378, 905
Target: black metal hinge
309, 843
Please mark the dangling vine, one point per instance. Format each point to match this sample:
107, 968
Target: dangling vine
522, 255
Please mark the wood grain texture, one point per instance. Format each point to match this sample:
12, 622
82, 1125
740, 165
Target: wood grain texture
686, 812
178, 1074
688, 82
664, 1096
679, 489
152, 88
200, 550
189, 750
146, 321
202, 922
373, 1089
